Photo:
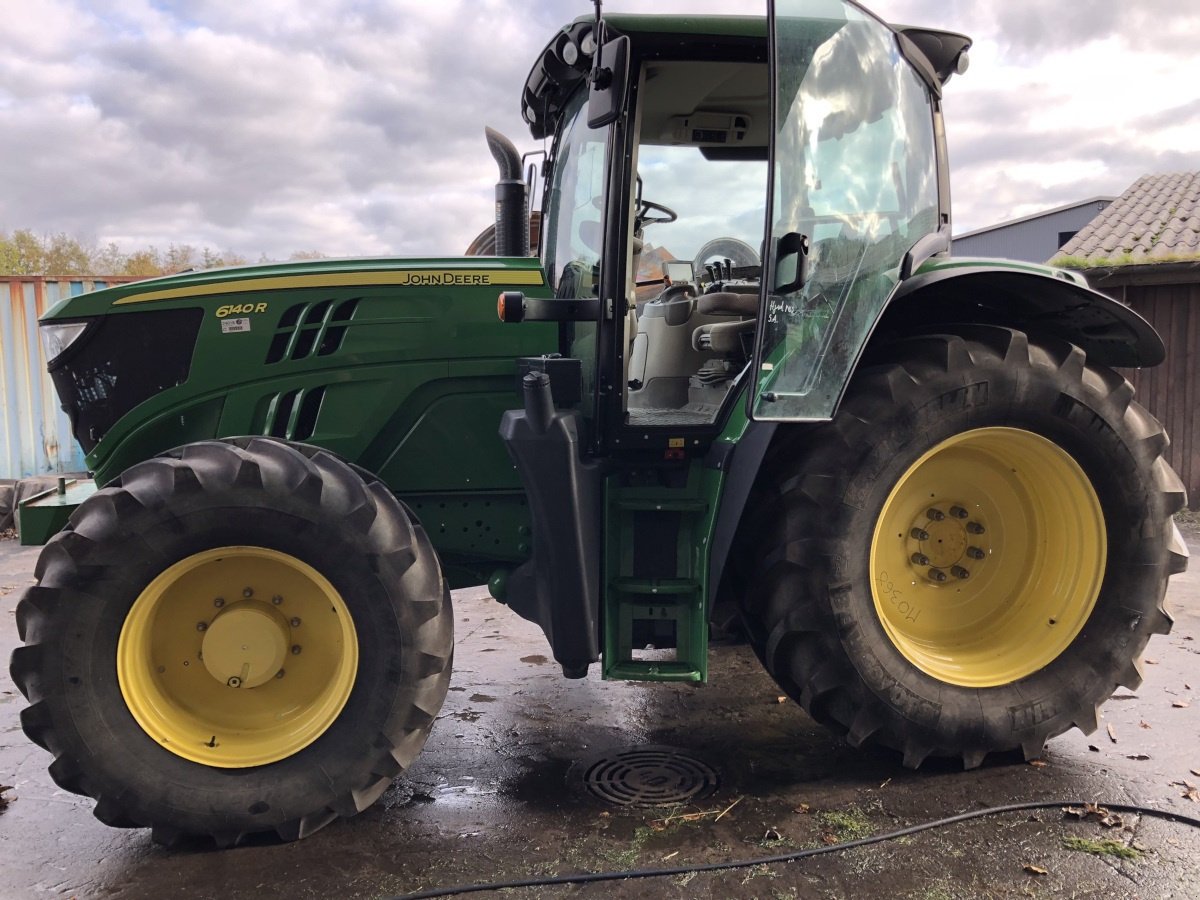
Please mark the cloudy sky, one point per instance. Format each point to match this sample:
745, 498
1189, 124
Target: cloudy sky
355, 127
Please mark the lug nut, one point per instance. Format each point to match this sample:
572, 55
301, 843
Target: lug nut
935, 514
920, 559
919, 534
234, 682
958, 512
279, 674
295, 623
960, 572
937, 575
219, 602
975, 528
202, 626
276, 599
295, 649
248, 592
975, 553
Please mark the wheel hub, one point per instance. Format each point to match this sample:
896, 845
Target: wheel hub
947, 543
245, 645
240, 683
988, 556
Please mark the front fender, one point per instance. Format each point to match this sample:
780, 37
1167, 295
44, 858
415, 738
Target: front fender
1035, 299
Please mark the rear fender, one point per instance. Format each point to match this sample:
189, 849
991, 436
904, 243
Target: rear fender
1038, 300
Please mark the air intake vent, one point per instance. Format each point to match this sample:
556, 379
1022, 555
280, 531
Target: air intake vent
311, 329
292, 414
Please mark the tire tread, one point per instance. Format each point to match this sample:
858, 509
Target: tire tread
317, 479
789, 612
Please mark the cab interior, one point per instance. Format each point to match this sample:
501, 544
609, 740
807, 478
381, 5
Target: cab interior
696, 227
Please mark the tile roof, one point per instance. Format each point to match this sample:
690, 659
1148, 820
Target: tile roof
1156, 220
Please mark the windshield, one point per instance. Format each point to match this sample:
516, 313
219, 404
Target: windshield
720, 205
574, 205
573, 215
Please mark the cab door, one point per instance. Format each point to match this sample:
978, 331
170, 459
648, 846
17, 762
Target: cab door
853, 187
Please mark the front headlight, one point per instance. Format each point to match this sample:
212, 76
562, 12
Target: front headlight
57, 337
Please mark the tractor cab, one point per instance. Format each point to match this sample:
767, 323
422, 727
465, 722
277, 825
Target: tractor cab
656, 208
686, 266
727, 211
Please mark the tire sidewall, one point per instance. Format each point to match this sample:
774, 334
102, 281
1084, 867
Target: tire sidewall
390, 635
1075, 414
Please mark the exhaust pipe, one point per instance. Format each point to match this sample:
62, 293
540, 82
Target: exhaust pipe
512, 198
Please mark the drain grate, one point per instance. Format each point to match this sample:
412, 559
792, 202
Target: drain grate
649, 776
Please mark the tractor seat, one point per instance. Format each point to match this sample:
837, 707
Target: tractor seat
726, 338
727, 303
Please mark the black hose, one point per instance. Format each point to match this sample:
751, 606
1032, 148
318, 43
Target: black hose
590, 877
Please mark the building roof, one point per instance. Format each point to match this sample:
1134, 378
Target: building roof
1037, 215
1156, 221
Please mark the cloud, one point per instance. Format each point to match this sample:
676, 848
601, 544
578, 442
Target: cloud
205, 122
1065, 103
355, 126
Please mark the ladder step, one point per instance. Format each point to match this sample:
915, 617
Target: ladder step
642, 670
654, 576
657, 587
642, 504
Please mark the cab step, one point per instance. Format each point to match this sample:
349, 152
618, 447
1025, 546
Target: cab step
656, 567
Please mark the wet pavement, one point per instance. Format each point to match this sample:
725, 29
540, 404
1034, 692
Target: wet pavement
498, 793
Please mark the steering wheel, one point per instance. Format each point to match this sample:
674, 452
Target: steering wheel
676, 291
642, 216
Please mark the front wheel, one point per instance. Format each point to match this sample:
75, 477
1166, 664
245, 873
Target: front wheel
972, 555
235, 638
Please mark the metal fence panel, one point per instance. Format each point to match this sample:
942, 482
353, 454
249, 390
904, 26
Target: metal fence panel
35, 434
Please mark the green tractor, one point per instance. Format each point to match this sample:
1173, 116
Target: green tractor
914, 482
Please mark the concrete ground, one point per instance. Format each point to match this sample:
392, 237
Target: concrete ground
496, 794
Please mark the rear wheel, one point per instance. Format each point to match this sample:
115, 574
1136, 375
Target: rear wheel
972, 555
232, 639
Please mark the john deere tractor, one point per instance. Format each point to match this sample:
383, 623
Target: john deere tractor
743, 381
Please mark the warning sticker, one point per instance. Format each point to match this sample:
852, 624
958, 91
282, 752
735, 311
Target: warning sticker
232, 326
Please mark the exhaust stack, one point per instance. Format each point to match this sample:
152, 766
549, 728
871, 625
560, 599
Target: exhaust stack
512, 198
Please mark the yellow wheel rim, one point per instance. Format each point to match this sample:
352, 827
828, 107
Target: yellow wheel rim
987, 557
237, 657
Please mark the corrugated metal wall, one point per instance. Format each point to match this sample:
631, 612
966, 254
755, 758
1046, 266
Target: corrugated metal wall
35, 436
1172, 391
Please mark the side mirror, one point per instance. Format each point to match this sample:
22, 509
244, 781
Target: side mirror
791, 262
610, 78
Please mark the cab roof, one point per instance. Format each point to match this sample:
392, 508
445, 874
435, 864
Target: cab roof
565, 62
